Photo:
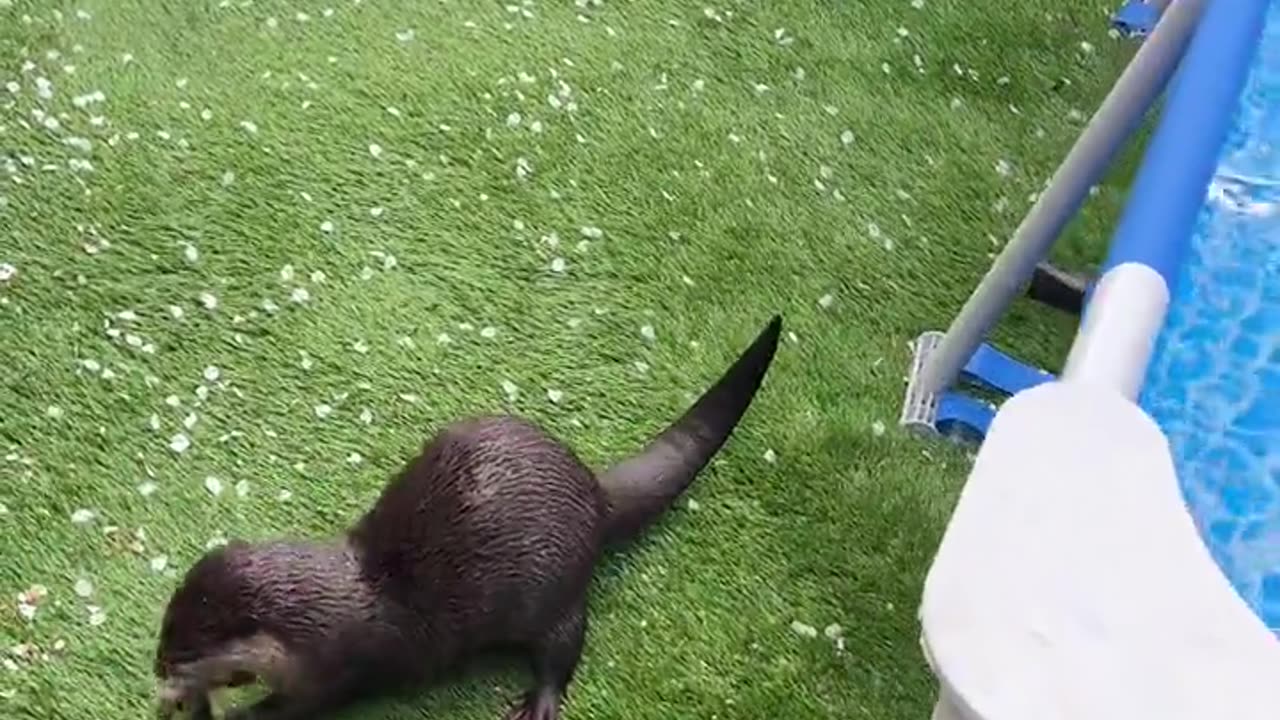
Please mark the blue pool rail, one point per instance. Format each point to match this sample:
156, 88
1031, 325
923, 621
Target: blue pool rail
1155, 227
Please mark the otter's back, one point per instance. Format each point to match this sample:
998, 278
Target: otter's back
482, 532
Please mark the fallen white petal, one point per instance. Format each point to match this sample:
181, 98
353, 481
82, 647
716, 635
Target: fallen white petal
179, 443
803, 629
213, 485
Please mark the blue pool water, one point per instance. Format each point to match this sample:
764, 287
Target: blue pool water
1214, 382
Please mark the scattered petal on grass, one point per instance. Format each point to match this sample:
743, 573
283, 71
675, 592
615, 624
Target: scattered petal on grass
648, 333
212, 373
804, 630
826, 301
877, 428
209, 300
323, 410
376, 212
592, 233
53, 411
83, 516
489, 332
242, 488
213, 485
7, 272
833, 631
510, 390
179, 443
29, 600
83, 588
97, 616
287, 274
846, 137
366, 416
354, 459
146, 488
554, 395
159, 563
300, 295
557, 265
375, 150
284, 496
326, 226
770, 456
404, 36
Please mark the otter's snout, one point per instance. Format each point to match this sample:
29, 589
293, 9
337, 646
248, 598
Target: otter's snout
175, 696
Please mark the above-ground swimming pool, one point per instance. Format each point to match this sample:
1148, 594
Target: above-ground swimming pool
1214, 382
1115, 551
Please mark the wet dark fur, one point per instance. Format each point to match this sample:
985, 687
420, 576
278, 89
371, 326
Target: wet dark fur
486, 541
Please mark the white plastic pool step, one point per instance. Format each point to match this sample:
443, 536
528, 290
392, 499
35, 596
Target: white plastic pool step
1072, 583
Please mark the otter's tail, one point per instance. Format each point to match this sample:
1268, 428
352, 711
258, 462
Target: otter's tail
642, 487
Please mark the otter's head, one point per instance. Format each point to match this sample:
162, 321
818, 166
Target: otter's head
210, 616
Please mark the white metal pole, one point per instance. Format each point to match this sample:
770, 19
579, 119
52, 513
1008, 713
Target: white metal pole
1119, 114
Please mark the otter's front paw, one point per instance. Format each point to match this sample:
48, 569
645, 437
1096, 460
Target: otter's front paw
241, 713
268, 708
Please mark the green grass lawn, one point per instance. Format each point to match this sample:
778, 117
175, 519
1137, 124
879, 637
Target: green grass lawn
268, 247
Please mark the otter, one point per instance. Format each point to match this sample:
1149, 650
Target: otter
485, 542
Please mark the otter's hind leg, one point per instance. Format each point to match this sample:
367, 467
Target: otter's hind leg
555, 658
